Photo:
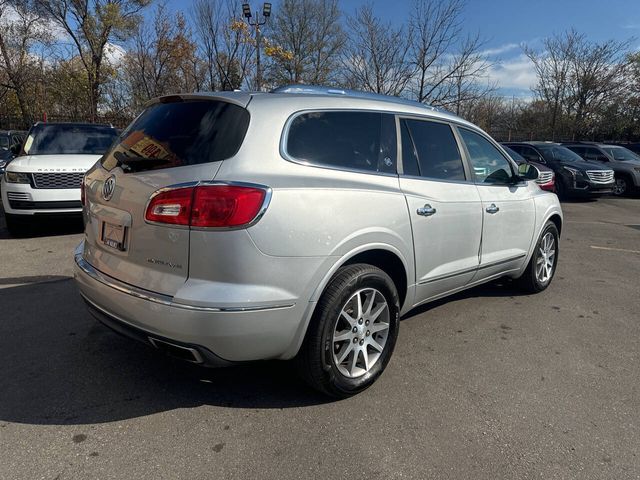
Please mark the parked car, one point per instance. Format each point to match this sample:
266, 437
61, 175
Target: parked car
634, 147
624, 163
45, 179
546, 177
301, 224
574, 176
10, 145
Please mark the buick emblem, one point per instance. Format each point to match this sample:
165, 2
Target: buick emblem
108, 188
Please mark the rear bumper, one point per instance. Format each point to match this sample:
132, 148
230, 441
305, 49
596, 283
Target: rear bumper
220, 335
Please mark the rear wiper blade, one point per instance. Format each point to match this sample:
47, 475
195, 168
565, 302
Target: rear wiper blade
137, 163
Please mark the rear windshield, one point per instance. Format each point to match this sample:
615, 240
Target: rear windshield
51, 139
180, 133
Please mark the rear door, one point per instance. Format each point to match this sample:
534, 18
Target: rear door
173, 142
507, 207
444, 207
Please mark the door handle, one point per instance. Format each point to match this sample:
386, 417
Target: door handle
426, 211
492, 208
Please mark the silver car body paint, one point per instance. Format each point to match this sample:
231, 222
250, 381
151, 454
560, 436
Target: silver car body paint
248, 294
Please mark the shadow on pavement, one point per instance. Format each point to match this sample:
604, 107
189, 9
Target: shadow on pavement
45, 226
58, 365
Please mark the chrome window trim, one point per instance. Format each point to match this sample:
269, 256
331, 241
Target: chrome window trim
265, 203
159, 298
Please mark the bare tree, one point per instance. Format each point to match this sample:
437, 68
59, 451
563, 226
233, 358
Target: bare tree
21, 27
377, 56
306, 41
225, 43
161, 58
553, 66
598, 75
91, 24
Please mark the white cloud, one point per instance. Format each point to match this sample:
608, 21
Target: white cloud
491, 52
114, 54
516, 73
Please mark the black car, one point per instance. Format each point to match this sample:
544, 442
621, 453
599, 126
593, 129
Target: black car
624, 163
574, 176
10, 143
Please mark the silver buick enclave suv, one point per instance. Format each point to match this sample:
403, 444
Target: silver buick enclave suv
301, 224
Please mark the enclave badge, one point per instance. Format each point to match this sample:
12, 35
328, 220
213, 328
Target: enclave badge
108, 188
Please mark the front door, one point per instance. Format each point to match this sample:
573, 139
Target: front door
444, 207
507, 207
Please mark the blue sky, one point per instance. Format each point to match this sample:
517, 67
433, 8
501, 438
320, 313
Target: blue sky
505, 24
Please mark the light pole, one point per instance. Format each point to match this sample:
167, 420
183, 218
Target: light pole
266, 13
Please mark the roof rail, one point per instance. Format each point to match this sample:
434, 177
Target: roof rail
322, 90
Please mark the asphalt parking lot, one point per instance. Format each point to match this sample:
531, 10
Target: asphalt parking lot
487, 384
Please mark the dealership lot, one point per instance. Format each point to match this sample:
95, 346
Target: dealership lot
487, 384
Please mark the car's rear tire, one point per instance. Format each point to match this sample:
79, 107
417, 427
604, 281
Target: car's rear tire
543, 262
352, 333
16, 225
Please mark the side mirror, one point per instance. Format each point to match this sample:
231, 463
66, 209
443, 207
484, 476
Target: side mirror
527, 171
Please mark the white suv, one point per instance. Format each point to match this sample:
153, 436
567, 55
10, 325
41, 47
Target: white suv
45, 179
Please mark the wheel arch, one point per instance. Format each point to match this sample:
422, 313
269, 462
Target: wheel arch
384, 256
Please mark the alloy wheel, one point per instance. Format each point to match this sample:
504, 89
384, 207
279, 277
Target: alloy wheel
360, 332
620, 187
545, 262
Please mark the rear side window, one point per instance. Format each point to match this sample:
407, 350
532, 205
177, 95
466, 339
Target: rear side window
180, 133
433, 146
350, 140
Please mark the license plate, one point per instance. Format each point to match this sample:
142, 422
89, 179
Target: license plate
113, 235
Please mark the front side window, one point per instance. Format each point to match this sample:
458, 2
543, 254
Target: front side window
350, 140
429, 149
69, 139
489, 165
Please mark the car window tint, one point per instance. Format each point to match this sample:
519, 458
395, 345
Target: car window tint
489, 165
351, 140
409, 156
437, 150
69, 139
180, 133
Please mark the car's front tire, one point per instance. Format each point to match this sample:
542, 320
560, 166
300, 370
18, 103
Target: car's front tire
621, 188
352, 333
543, 262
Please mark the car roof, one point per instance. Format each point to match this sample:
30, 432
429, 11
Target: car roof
75, 124
534, 143
300, 97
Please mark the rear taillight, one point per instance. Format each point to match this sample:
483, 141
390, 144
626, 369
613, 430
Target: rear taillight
207, 206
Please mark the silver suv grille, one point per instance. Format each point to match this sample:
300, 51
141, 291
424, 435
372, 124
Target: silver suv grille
57, 180
600, 176
545, 177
